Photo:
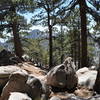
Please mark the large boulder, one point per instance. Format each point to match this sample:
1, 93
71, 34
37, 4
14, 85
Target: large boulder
8, 58
63, 76
18, 96
5, 72
16, 83
21, 82
86, 77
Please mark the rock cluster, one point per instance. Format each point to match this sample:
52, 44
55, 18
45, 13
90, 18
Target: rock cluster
21, 82
63, 82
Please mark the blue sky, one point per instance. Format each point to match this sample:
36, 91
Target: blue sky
28, 16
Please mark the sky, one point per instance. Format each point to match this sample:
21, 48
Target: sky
28, 16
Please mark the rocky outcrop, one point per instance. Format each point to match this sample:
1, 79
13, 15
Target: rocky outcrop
63, 76
31, 83
86, 77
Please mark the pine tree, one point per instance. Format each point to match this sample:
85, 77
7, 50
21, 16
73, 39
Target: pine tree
10, 9
48, 17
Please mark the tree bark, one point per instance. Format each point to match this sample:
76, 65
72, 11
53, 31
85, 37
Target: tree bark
79, 46
75, 46
17, 42
62, 47
50, 46
50, 41
79, 54
97, 82
16, 37
82, 4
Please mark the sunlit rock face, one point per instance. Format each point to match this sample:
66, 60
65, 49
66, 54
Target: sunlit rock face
63, 76
16, 83
21, 82
55, 98
5, 72
18, 96
86, 77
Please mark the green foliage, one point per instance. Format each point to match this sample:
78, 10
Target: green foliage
11, 12
36, 51
43, 8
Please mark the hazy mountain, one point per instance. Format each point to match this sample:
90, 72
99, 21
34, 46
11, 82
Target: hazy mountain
36, 34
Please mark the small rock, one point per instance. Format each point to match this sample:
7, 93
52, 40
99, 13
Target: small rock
18, 96
55, 98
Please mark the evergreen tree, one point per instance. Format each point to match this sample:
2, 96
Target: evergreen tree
10, 9
47, 16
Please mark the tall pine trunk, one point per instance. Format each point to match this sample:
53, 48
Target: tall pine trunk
79, 46
50, 41
50, 47
82, 4
75, 46
79, 54
17, 42
97, 82
62, 55
16, 38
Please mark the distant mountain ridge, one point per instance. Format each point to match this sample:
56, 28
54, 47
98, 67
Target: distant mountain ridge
36, 33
